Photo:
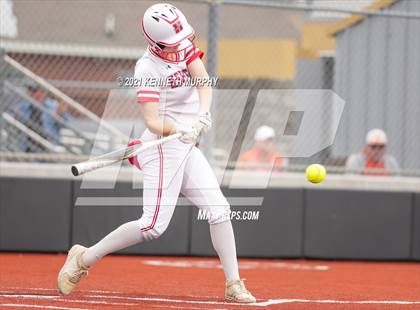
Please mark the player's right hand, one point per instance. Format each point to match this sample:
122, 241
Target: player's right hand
189, 134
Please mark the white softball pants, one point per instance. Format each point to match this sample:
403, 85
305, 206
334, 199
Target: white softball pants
171, 169
168, 170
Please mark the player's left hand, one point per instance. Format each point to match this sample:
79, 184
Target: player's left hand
189, 134
204, 123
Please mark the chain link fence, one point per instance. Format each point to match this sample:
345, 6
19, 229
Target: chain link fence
81, 49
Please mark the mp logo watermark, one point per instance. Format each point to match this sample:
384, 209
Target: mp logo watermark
238, 215
305, 123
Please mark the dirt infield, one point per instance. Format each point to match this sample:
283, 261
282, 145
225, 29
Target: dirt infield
28, 281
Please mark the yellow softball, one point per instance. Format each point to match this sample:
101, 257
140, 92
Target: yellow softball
315, 173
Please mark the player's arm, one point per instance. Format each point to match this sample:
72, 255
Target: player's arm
153, 122
198, 71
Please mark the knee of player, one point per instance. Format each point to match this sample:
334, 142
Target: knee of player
158, 230
219, 219
221, 208
154, 232
219, 214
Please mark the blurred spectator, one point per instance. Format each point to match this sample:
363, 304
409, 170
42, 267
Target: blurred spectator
30, 116
49, 123
263, 152
373, 160
42, 123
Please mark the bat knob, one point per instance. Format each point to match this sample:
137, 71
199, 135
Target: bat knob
75, 171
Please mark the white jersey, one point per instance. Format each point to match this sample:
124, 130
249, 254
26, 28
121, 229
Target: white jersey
163, 82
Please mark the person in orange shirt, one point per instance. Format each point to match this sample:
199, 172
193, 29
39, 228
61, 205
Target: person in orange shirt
263, 153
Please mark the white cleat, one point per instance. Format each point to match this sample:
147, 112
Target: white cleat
237, 292
72, 271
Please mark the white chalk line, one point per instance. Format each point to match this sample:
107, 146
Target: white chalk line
55, 290
242, 265
9, 291
331, 301
262, 303
42, 307
183, 307
31, 296
183, 301
59, 298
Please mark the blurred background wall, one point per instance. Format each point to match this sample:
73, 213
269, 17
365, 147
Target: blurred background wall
370, 61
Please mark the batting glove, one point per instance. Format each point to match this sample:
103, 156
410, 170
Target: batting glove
204, 123
189, 134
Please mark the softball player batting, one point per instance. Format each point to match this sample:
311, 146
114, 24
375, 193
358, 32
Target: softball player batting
176, 166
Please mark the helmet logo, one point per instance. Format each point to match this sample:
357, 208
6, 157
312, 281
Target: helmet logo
177, 26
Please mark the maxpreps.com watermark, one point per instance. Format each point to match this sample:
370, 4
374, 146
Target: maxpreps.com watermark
232, 215
171, 81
